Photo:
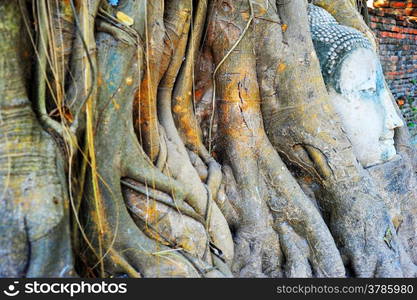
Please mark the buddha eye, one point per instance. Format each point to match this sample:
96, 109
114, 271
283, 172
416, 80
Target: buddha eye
369, 92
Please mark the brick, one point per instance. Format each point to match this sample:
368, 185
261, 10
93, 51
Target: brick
381, 3
397, 4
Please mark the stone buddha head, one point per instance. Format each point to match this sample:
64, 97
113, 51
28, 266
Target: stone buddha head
354, 79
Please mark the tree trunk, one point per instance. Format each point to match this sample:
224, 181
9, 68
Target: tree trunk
179, 134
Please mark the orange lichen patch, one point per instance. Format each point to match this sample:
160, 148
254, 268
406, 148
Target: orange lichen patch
308, 179
284, 27
147, 101
198, 94
99, 80
259, 10
240, 106
235, 133
152, 213
192, 138
116, 105
129, 81
178, 108
282, 67
245, 16
186, 121
245, 92
145, 117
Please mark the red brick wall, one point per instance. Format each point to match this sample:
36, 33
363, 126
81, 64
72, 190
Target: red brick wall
398, 7
395, 25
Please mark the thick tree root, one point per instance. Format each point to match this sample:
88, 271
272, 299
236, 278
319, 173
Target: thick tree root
269, 196
358, 217
114, 235
34, 231
153, 199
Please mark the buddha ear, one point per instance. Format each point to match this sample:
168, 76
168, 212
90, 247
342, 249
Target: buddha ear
332, 91
333, 82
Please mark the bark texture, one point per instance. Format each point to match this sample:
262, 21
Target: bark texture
187, 139
34, 199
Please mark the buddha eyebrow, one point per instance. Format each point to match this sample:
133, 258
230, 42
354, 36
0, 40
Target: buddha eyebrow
364, 85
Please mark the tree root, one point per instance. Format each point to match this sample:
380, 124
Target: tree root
268, 193
292, 118
111, 228
35, 238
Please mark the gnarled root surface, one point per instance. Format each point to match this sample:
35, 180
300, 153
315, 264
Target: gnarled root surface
278, 231
34, 228
160, 227
175, 188
307, 132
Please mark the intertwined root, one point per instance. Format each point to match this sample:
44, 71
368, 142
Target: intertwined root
270, 198
278, 230
132, 243
155, 201
366, 236
123, 229
304, 129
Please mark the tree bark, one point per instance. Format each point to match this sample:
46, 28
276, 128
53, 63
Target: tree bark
34, 204
188, 130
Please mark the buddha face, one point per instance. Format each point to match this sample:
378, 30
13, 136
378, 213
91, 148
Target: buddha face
362, 100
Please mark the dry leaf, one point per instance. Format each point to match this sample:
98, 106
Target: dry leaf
125, 19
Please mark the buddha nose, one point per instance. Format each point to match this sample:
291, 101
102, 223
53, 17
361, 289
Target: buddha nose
394, 120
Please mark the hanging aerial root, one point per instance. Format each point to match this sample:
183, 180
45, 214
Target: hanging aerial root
41, 71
